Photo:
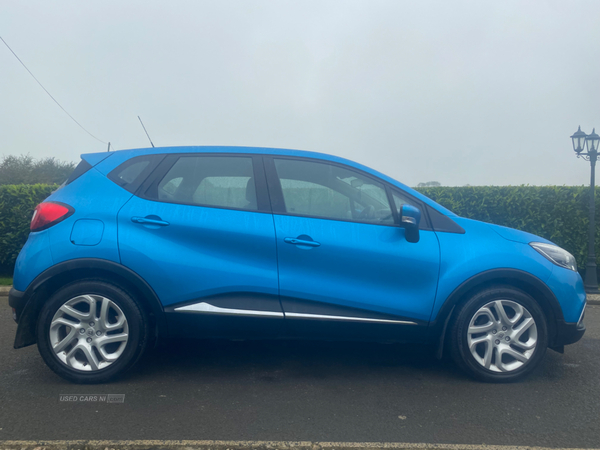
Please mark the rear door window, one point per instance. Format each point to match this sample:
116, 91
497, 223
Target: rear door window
216, 181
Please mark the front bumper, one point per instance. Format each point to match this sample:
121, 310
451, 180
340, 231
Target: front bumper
569, 333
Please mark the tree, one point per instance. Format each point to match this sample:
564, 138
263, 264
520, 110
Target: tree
25, 169
429, 184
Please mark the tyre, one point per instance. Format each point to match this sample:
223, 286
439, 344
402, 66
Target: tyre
91, 331
499, 335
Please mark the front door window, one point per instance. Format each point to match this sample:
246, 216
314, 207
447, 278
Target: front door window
329, 191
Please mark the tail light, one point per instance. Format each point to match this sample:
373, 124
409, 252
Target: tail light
48, 214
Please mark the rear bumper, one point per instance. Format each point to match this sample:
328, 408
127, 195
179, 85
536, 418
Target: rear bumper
17, 300
24, 315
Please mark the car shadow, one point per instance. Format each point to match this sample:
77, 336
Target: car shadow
280, 360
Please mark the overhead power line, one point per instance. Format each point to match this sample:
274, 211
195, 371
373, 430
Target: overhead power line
46, 90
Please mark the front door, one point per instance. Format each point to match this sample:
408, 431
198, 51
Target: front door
345, 267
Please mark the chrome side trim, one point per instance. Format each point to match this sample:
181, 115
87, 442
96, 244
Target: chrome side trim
210, 309
582, 313
357, 319
207, 308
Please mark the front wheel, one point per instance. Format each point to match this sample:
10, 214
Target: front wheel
91, 331
499, 335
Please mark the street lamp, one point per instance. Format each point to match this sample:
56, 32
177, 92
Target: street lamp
591, 141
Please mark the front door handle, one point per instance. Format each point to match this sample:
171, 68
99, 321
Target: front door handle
150, 220
297, 241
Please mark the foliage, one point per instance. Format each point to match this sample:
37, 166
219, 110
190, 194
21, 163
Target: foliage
17, 203
557, 213
26, 170
429, 184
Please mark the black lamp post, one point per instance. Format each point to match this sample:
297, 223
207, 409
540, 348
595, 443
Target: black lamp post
580, 141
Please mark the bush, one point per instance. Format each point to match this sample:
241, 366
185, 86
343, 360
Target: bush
17, 203
26, 170
557, 213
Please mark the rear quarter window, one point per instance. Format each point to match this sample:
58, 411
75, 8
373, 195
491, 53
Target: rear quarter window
81, 168
132, 173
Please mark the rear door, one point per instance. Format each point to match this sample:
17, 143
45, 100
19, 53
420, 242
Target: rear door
201, 233
345, 267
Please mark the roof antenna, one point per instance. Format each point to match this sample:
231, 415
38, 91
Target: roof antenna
108, 147
146, 131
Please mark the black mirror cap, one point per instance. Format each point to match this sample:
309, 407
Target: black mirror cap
412, 235
410, 217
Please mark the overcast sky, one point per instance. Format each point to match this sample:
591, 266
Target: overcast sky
460, 92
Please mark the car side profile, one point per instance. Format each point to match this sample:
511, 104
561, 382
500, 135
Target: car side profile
256, 243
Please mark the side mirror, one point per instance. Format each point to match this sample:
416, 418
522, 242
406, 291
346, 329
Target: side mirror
410, 217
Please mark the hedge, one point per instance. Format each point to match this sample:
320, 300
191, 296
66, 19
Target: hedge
557, 213
17, 203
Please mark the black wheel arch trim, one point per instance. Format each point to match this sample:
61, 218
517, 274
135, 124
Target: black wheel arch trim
511, 277
29, 303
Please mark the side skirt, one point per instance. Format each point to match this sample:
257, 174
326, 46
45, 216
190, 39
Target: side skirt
245, 316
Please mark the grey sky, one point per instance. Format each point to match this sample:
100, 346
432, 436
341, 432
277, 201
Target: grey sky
462, 92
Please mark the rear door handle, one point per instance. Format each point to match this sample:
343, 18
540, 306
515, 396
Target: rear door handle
150, 220
296, 241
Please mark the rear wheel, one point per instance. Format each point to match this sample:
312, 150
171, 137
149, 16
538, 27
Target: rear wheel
499, 335
91, 331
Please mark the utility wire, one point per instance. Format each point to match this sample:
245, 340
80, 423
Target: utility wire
46, 90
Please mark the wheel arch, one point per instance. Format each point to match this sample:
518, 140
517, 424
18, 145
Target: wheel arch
519, 279
52, 279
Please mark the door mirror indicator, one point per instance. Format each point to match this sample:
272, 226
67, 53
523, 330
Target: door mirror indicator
410, 217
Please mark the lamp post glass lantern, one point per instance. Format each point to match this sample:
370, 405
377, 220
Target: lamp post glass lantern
591, 141
578, 140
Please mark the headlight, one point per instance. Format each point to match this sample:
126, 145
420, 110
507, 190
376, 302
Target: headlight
556, 255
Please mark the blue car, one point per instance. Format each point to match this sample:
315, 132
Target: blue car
257, 243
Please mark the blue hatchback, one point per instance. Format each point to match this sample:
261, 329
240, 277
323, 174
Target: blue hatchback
251, 243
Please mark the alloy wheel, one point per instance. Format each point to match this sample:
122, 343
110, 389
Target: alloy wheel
502, 336
89, 332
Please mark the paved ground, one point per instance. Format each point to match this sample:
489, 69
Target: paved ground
293, 391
